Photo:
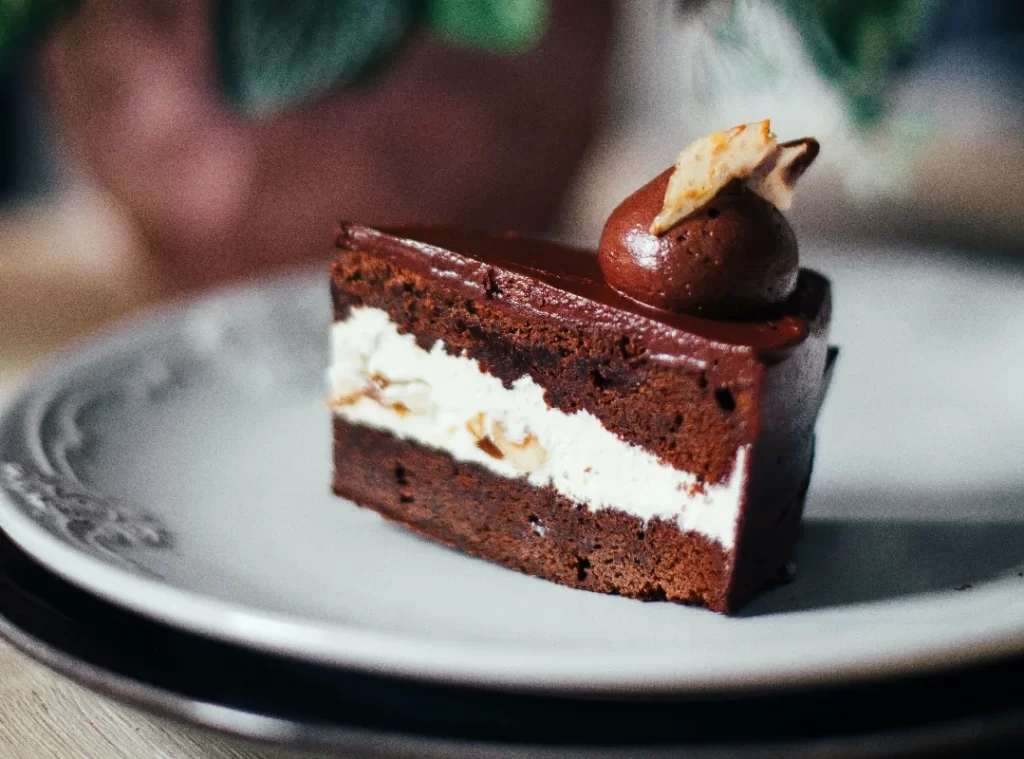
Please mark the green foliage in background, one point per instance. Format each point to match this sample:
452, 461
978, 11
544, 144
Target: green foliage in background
495, 25
273, 54
23, 21
857, 44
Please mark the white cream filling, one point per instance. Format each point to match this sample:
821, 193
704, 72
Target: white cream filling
383, 379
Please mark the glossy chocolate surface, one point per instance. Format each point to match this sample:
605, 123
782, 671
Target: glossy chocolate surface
568, 282
734, 258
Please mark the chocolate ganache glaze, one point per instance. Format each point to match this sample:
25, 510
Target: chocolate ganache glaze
731, 254
767, 308
527, 276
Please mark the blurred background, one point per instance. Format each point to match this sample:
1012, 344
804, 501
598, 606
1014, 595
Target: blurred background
149, 149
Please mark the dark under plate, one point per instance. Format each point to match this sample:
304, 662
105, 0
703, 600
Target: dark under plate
972, 712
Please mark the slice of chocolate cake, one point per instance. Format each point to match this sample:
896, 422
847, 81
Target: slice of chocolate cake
638, 422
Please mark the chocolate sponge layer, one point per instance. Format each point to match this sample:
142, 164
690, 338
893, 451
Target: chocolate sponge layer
537, 531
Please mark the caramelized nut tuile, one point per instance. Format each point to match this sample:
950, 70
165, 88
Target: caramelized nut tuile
707, 165
776, 178
748, 152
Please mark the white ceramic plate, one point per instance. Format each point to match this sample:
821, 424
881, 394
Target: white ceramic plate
180, 467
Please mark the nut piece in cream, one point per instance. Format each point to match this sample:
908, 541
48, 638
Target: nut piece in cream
401, 396
527, 454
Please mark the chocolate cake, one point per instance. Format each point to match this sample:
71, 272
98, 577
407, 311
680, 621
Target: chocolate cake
638, 422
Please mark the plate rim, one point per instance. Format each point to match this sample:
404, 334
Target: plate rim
271, 729
1000, 633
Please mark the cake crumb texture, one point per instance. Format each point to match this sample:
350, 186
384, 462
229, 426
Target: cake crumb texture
535, 530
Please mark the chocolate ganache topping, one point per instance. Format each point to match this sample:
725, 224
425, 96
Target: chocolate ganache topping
707, 236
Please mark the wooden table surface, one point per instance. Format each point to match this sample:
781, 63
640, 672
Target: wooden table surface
45, 716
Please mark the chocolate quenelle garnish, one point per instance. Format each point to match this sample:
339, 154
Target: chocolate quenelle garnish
707, 236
